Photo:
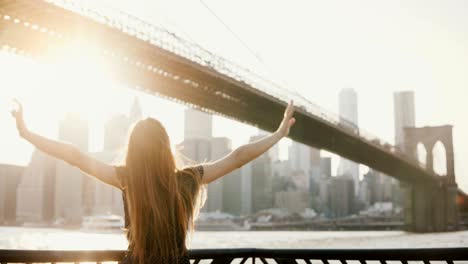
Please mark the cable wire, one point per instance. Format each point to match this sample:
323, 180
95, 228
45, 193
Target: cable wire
249, 49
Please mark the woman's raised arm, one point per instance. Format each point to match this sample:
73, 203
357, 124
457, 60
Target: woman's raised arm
246, 153
66, 152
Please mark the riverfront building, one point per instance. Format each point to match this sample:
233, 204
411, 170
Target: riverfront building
10, 177
36, 191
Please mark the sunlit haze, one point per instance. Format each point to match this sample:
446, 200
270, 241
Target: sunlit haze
312, 48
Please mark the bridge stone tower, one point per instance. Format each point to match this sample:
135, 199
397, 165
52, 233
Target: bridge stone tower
429, 206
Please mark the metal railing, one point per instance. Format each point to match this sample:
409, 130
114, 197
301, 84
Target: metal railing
253, 255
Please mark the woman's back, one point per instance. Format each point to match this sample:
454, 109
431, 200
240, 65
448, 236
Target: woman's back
188, 186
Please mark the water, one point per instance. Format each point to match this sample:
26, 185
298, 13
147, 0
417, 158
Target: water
60, 239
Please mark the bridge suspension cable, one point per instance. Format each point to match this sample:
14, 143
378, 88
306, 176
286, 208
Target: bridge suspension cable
255, 55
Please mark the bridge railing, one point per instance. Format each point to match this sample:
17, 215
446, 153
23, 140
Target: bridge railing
159, 36
252, 255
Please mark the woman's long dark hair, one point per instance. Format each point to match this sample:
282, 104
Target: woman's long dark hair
162, 201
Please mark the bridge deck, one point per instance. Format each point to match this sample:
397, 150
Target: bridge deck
158, 66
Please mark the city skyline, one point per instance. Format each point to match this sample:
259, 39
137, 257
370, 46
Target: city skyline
176, 126
51, 191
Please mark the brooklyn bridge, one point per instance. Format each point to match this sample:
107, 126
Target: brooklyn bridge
152, 59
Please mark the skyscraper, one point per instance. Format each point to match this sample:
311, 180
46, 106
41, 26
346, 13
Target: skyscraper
135, 111
74, 191
116, 131
319, 185
197, 124
341, 196
36, 191
348, 109
10, 177
273, 152
303, 159
200, 146
232, 193
325, 167
261, 181
379, 187
220, 146
196, 146
246, 189
404, 112
107, 199
403, 105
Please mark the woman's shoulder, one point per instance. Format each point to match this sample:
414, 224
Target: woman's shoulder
121, 173
194, 171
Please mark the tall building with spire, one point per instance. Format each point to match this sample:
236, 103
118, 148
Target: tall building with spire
136, 113
116, 131
348, 110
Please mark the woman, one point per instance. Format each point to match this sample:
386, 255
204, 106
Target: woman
160, 200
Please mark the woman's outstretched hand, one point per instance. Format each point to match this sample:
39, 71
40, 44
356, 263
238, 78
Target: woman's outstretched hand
288, 120
17, 113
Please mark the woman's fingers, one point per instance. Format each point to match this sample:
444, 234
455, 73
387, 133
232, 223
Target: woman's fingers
289, 110
19, 107
16, 108
292, 121
288, 119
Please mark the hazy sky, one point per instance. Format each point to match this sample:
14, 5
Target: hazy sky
317, 48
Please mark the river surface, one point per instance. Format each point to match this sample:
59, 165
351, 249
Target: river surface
61, 239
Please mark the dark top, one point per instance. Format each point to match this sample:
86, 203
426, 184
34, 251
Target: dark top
128, 259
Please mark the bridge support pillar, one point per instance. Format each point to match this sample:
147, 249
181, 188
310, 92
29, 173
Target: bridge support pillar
430, 208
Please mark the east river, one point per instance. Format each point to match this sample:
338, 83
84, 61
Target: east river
61, 239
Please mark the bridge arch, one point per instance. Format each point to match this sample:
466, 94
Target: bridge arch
421, 154
439, 154
438, 143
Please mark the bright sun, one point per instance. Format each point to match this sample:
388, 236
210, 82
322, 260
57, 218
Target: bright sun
74, 80
81, 78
